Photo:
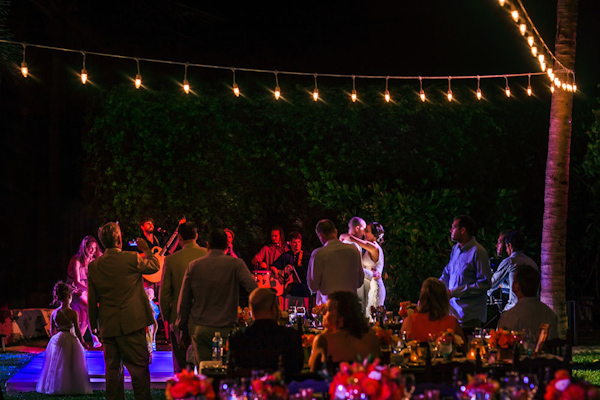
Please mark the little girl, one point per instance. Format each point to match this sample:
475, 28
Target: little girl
64, 370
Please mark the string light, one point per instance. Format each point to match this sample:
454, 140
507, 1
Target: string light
387, 92
515, 15
186, 84
478, 94
507, 89
84, 74
557, 81
353, 95
552, 87
236, 89
277, 89
138, 77
523, 29
530, 40
421, 91
550, 74
501, 2
534, 50
529, 91
574, 84
24, 69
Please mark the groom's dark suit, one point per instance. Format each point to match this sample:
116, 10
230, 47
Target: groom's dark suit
120, 309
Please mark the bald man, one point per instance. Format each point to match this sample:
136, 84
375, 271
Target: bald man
260, 345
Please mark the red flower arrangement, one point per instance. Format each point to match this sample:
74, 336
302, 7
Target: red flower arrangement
480, 383
385, 336
562, 387
308, 339
376, 382
502, 338
269, 387
187, 384
407, 308
449, 336
244, 316
320, 309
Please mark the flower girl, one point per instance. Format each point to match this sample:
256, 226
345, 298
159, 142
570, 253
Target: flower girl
64, 370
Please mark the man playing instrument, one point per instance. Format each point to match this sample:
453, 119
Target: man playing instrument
269, 253
291, 268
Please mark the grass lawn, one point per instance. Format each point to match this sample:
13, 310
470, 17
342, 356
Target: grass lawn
587, 366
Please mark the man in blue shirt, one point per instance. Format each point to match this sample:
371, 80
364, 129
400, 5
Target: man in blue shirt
514, 243
468, 275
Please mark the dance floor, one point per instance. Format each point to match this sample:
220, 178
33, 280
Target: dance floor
25, 380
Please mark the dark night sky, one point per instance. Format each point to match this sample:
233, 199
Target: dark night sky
383, 37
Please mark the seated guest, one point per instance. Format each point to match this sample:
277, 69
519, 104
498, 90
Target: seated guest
432, 316
347, 336
529, 312
260, 345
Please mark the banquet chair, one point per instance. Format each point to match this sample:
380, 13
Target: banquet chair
560, 347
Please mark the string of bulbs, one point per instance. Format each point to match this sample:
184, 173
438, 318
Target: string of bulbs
522, 19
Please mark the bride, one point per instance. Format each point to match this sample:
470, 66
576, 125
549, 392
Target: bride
372, 261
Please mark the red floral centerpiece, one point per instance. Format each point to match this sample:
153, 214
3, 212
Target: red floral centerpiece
407, 308
376, 382
187, 385
318, 312
480, 384
504, 341
244, 316
563, 387
269, 387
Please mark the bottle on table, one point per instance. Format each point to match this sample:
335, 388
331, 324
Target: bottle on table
217, 347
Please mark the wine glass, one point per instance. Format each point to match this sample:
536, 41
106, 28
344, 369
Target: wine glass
433, 346
445, 348
409, 385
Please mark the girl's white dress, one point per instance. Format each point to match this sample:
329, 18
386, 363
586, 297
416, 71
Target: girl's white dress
377, 288
64, 371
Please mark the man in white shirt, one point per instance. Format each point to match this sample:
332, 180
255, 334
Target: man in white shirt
335, 266
529, 312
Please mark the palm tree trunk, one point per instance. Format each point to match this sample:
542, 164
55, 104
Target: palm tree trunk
554, 231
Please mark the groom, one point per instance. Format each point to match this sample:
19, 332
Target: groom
119, 308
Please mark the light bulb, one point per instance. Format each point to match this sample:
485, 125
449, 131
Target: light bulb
138, 81
523, 29
507, 91
354, 96
574, 87
501, 2
530, 41
564, 86
534, 50
387, 96
552, 88
529, 91
449, 95
422, 95
557, 81
543, 65
84, 76
24, 69
236, 90
478, 94
569, 87
515, 15
316, 94
277, 92
541, 58
186, 86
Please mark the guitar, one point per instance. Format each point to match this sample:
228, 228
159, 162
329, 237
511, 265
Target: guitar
159, 253
281, 280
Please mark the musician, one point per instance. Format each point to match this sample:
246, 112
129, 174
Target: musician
292, 267
269, 253
147, 227
230, 251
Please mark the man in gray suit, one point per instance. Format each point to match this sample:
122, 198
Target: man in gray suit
209, 295
120, 312
174, 270
335, 266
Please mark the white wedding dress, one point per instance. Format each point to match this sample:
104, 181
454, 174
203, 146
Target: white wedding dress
377, 288
64, 371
